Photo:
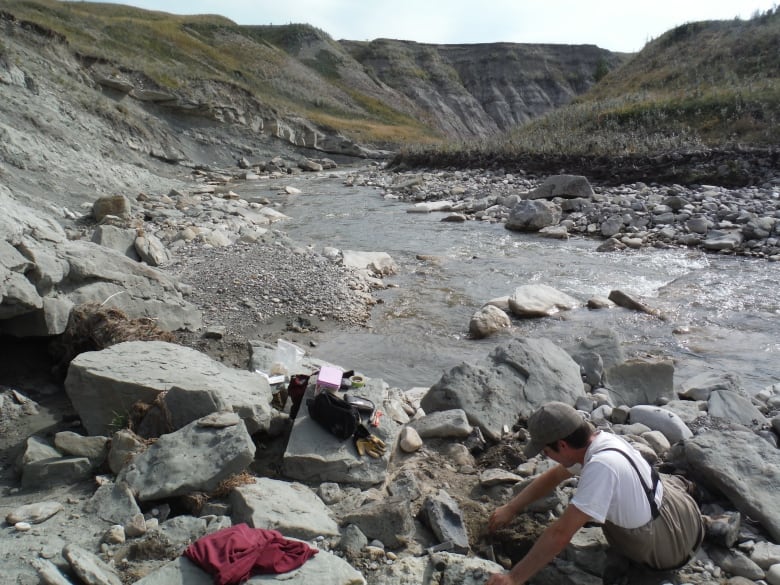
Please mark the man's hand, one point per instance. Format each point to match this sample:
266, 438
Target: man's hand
500, 517
500, 579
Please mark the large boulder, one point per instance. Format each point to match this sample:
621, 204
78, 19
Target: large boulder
513, 381
600, 350
564, 186
531, 216
743, 467
700, 386
539, 300
389, 520
195, 458
120, 239
734, 407
289, 507
103, 385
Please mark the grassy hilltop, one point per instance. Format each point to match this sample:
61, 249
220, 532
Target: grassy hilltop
714, 83
701, 85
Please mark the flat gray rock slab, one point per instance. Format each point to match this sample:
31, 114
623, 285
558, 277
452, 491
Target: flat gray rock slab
90, 569
291, 508
182, 571
314, 455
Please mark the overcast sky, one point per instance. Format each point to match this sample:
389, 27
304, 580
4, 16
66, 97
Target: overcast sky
617, 25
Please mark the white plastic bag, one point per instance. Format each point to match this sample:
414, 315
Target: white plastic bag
287, 358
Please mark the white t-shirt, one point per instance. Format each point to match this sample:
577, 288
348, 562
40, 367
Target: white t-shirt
609, 487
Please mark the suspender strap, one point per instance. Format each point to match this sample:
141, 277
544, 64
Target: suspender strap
649, 491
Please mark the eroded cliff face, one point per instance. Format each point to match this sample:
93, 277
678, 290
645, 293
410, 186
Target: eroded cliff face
469, 91
298, 85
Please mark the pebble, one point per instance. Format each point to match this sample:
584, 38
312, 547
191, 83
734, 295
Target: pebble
22, 526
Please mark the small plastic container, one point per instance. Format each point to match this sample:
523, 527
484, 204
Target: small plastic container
328, 379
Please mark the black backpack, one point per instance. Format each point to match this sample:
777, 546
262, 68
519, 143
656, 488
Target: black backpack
337, 416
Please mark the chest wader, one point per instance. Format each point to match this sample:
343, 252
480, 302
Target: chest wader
672, 535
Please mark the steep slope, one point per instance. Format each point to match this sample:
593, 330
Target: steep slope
296, 82
477, 90
701, 84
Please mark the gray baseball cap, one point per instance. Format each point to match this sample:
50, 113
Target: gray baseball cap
549, 423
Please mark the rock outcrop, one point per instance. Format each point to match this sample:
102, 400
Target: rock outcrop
475, 90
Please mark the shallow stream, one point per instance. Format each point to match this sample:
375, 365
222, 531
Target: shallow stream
723, 312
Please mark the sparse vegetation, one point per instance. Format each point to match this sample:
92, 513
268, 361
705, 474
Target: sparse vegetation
700, 85
179, 53
119, 421
601, 70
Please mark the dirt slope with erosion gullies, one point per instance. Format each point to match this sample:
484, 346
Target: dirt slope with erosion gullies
296, 82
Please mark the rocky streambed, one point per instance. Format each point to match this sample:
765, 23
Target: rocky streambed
741, 220
82, 491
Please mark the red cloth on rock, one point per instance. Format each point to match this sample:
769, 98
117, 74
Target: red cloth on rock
233, 554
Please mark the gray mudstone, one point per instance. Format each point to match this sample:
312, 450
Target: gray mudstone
451, 424
89, 567
195, 458
49, 472
734, 407
291, 508
120, 239
389, 521
114, 502
104, 384
445, 519
743, 467
639, 381
515, 379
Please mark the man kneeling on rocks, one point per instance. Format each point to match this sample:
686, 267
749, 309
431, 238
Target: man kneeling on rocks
655, 524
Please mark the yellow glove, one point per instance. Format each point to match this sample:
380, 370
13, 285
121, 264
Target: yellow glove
371, 445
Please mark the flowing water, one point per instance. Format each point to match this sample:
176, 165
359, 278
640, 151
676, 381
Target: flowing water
723, 312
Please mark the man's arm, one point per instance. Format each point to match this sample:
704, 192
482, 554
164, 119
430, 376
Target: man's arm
552, 541
541, 486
